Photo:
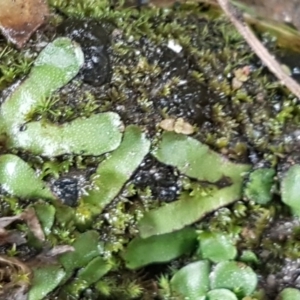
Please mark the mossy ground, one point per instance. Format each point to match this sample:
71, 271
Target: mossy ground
255, 123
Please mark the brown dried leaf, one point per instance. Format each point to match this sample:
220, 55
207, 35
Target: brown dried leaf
183, 127
19, 19
11, 237
5, 221
16, 293
58, 250
167, 124
14, 263
242, 74
12, 267
49, 256
33, 223
236, 84
178, 125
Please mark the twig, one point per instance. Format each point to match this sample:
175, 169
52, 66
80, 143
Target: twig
259, 49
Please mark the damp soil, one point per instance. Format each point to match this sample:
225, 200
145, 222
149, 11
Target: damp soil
136, 72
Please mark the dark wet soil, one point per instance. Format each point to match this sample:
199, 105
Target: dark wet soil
66, 189
162, 180
96, 69
282, 271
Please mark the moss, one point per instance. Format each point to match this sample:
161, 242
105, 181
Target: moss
254, 123
13, 65
212, 49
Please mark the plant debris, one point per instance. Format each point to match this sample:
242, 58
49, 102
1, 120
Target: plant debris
17, 275
178, 126
31, 220
259, 49
19, 19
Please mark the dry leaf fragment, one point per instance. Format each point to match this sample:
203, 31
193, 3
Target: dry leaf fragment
179, 126
11, 237
12, 267
58, 250
183, 127
19, 19
50, 256
236, 84
32, 221
16, 293
242, 74
167, 124
5, 221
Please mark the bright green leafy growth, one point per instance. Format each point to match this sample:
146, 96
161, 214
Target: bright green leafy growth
45, 280
46, 215
216, 247
234, 276
86, 276
192, 281
221, 294
161, 248
86, 248
18, 179
95, 135
116, 170
259, 187
195, 159
249, 257
64, 214
290, 192
289, 294
186, 211
94, 270
56, 65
